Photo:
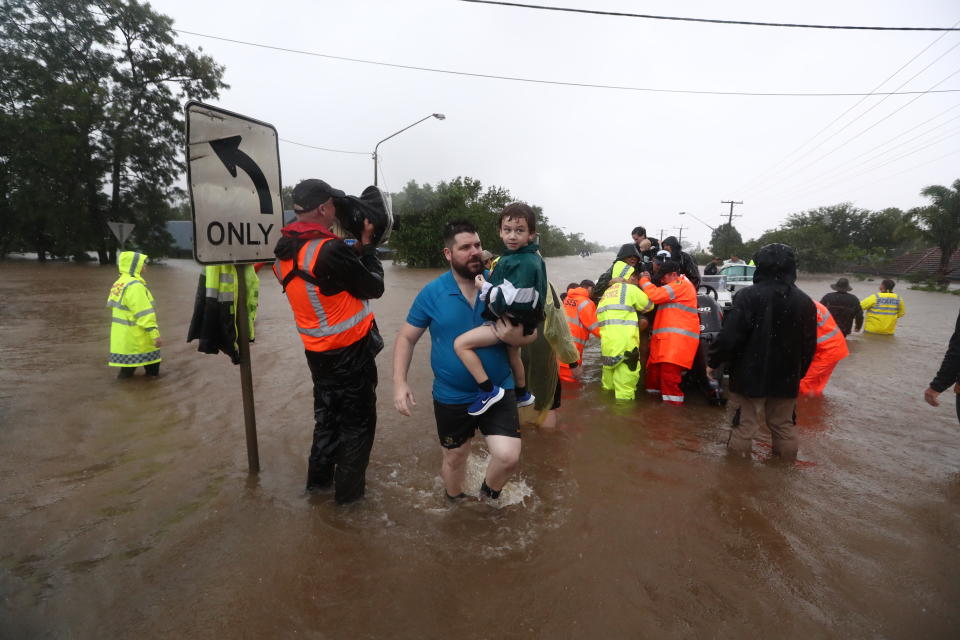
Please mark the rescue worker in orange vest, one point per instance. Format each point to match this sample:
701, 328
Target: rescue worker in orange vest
329, 284
831, 349
676, 331
582, 320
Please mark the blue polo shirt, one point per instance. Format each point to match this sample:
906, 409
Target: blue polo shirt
442, 309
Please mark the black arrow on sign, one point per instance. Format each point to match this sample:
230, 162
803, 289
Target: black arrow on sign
228, 150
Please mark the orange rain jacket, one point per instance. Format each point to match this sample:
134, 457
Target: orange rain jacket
676, 327
582, 320
831, 345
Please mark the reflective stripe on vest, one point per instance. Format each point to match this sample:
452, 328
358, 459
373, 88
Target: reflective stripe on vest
829, 335
682, 332
353, 318
681, 307
612, 321
886, 306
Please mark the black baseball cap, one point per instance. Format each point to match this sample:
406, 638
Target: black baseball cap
310, 194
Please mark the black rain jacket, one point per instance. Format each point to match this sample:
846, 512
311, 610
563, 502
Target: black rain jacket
688, 266
950, 367
845, 308
770, 335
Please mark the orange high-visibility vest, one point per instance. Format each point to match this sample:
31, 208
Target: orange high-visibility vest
582, 320
676, 327
831, 345
581, 317
324, 322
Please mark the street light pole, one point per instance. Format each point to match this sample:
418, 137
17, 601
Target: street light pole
438, 116
684, 213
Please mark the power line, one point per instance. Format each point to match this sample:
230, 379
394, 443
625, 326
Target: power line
310, 146
834, 173
774, 169
951, 134
558, 82
862, 131
709, 20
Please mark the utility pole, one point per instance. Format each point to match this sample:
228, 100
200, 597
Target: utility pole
680, 238
731, 216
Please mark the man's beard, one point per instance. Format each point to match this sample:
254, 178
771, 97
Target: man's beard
469, 269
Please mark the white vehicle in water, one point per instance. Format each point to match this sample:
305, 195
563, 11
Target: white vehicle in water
731, 279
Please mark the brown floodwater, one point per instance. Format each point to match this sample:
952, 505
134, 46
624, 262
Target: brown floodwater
126, 509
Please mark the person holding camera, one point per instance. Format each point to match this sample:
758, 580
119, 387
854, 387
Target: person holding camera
329, 284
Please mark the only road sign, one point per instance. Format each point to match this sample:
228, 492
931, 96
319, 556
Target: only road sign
233, 170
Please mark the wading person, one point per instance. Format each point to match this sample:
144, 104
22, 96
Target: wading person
516, 291
687, 264
581, 315
844, 306
949, 373
831, 349
883, 309
620, 327
627, 259
328, 285
768, 341
647, 247
449, 306
134, 335
676, 332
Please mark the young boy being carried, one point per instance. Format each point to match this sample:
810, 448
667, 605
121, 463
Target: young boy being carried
516, 291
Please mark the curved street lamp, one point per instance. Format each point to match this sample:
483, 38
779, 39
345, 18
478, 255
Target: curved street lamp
684, 213
438, 116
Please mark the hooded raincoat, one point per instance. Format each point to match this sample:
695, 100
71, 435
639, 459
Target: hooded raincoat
688, 266
769, 337
133, 328
619, 269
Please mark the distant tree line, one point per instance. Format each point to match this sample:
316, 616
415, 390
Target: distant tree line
842, 237
421, 211
91, 124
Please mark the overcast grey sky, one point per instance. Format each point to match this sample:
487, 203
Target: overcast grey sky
601, 161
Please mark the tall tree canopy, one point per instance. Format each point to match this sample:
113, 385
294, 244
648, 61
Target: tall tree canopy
91, 124
941, 221
726, 241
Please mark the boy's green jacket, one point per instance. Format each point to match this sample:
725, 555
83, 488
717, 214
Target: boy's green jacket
518, 284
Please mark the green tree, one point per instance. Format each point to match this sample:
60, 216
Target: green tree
91, 94
725, 241
940, 221
286, 197
421, 211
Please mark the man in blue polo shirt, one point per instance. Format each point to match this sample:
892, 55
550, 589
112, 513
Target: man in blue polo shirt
449, 306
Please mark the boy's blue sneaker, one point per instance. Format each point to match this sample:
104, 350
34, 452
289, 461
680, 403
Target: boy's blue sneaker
485, 400
526, 399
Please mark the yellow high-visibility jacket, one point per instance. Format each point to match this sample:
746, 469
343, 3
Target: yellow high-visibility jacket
133, 328
618, 322
882, 312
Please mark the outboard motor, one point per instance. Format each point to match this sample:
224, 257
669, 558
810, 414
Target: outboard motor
375, 205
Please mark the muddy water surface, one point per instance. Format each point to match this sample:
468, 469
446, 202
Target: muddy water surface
126, 509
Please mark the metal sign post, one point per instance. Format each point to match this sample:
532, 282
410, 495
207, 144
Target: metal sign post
233, 173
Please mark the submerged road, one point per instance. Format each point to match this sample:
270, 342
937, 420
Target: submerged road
126, 509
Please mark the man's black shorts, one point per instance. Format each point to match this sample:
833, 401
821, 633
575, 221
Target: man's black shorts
455, 426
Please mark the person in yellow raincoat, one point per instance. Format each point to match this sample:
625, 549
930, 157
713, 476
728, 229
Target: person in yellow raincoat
882, 310
620, 335
134, 334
